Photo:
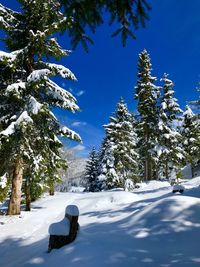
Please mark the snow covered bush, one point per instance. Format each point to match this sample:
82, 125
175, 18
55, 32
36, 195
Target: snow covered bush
128, 185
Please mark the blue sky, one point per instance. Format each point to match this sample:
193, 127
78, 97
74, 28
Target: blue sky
108, 71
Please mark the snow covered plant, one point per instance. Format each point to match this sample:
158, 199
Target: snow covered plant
159, 141
91, 171
147, 94
170, 152
191, 137
128, 185
28, 127
118, 160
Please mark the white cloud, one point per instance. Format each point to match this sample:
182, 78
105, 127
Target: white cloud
79, 123
80, 93
79, 148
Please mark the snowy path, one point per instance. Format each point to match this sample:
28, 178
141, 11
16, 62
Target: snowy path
150, 227
27, 236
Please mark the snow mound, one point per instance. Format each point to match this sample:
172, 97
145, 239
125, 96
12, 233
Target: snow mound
195, 182
113, 198
77, 189
153, 185
122, 197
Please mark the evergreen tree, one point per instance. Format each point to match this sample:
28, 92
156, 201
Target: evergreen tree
91, 171
146, 92
122, 134
191, 137
107, 175
169, 150
89, 14
28, 127
119, 150
196, 103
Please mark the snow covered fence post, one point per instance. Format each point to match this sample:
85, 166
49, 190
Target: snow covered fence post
65, 231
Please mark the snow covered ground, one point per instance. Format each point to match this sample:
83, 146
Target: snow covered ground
149, 227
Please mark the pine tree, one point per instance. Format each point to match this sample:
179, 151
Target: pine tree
91, 171
169, 150
121, 132
196, 103
146, 92
119, 157
107, 175
28, 127
89, 14
191, 137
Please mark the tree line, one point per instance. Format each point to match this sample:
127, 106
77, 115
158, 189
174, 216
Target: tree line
154, 143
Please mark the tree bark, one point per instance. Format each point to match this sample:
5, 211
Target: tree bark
28, 195
146, 169
52, 191
166, 170
15, 198
150, 168
192, 170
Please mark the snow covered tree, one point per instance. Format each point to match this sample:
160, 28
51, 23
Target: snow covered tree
191, 137
120, 155
123, 137
196, 103
169, 150
146, 92
91, 171
107, 175
28, 127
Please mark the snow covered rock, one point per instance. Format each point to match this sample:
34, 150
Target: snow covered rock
178, 188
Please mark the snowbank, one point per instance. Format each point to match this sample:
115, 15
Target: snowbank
152, 185
150, 227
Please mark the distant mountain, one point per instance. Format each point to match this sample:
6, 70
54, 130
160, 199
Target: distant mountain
74, 175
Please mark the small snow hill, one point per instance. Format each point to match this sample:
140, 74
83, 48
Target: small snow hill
148, 227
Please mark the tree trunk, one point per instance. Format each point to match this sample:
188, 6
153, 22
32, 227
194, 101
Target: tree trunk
192, 170
15, 198
150, 168
28, 195
51, 191
166, 170
146, 169
156, 172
